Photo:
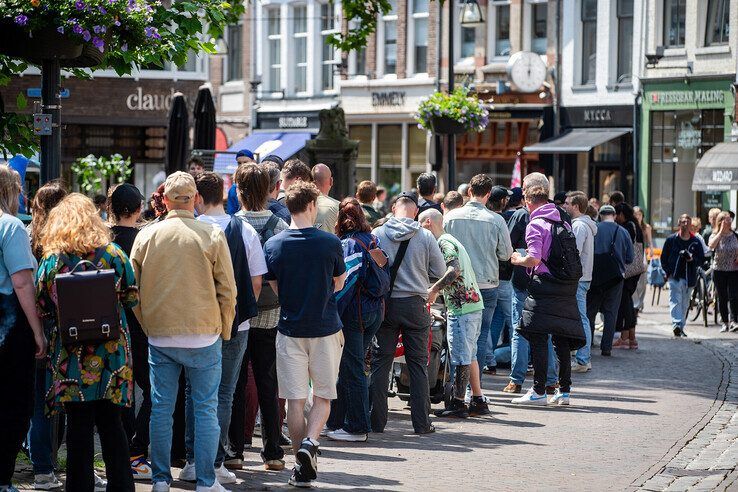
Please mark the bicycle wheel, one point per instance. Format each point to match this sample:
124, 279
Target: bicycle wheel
697, 301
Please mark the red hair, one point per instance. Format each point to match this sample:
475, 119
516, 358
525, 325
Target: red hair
157, 201
351, 218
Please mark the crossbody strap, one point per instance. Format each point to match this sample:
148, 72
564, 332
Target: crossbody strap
396, 264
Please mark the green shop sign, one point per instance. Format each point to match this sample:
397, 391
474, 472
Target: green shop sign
687, 97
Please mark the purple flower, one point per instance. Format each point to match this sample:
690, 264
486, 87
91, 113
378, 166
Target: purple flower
77, 29
152, 32
99, 29
79, 5
60, 30
116, 23
98, 43
86, 35
21, 19
124, 47
102, 10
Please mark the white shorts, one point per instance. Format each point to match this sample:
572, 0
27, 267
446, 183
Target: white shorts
300, 360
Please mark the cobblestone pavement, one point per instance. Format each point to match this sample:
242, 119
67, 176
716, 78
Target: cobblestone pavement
659, 418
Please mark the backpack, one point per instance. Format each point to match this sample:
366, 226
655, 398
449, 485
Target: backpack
563, 261
377, 278
656, 275
268, 299
246, 307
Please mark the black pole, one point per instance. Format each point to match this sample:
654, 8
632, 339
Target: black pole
50, 104
451, 149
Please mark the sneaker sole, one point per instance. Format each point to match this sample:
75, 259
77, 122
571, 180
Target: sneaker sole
350, 439
306, 464
302, 485
274, 467
47, 487
226, 480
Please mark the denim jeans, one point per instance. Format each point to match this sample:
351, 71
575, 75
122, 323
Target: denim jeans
202, 368
233, 351
350, 410
462, 334
520, 348
502, 317
39, 436
679, 295
584, 354
489, 296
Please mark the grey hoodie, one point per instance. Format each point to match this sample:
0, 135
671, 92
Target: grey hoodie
585, 229
423, 258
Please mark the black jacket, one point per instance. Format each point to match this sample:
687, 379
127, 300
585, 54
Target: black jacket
674, 262
246, 307
551, 309
516, 225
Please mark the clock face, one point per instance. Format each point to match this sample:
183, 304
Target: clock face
527, 71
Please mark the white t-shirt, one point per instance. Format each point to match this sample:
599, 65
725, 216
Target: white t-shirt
257, 266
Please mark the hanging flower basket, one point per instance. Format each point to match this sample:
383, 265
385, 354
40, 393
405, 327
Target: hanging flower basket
452, 114
38, 45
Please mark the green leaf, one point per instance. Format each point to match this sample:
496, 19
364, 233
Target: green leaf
20, 101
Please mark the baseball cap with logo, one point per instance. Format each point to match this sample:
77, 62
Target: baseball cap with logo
498, 193
180, 187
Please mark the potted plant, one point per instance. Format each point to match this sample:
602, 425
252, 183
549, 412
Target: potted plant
97, 174
456, 113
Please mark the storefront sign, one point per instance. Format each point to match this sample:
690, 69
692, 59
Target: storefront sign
592, 115
391, 98
144, 101
688, 138
293, 121
688, 97
598, 116
720, 176
712, 200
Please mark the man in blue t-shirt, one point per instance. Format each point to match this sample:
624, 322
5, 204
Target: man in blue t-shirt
306, 267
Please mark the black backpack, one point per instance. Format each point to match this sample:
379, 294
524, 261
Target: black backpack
268, 299
563, 261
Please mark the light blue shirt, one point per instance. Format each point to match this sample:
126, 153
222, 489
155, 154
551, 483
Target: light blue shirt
15, 251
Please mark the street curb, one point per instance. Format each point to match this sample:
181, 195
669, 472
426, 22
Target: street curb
720, 398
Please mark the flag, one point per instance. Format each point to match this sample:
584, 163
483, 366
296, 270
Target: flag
516, 180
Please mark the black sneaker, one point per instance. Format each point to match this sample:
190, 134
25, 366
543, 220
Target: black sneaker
683, 334
298, 479
456, 409
677, 331
308, 460
284, 441
478, 407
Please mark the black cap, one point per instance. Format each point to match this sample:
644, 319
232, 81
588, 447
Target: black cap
498, 193
560, 197
275, 159
409, 194
125, 199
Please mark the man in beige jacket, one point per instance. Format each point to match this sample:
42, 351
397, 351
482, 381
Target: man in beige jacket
187, 305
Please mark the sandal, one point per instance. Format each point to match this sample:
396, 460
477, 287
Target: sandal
621, 344
634, 344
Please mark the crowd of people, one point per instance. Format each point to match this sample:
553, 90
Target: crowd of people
285, 303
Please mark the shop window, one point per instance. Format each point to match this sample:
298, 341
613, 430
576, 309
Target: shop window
539, 26
718, 22
274, 50
713, 129
502, 30
674, 14
362, 133
389, 155
300, 35
625, 40
234, 59
327, 28
417, 145
589, 41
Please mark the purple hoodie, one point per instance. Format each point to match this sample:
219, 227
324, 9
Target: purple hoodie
538, 234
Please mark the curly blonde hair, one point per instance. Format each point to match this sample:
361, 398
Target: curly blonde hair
74, 227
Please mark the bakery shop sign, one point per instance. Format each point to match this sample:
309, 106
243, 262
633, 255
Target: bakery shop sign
144, 101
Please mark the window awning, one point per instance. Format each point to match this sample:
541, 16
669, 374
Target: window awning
283, 145
577, 140
717, 170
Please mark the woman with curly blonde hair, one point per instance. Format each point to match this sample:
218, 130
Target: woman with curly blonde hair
91, 381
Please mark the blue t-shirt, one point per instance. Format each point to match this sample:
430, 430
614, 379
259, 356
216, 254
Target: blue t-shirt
15, 251
304, 262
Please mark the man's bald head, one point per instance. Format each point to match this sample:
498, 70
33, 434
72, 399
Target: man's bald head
432, 220
323, 178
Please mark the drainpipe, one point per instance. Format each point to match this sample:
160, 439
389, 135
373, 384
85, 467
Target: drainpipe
557, 96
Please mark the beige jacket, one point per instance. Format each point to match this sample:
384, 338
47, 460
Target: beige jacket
327, 213
185, 277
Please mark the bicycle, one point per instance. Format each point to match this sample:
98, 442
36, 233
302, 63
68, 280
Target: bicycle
703, 296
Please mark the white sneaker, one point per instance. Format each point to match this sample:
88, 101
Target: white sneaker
577, 367
530, 398
559, 398
100, 483
160, 487
188, 473
342, 435
46, 481
324, 431
216, 487
224, 475
724, 328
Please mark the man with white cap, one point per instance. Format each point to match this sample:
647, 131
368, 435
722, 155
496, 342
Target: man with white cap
173, 259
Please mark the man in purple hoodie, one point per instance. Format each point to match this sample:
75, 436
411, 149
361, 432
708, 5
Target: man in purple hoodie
551, 307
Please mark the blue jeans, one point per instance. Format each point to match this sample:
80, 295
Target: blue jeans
502, 317
679, 295
350, 410
489, 296
462, 334
39, 436
202, 368
233, 351
584, 354
520, 348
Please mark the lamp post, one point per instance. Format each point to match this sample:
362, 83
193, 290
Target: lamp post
470, 16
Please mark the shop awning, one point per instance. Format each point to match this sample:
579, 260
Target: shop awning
283, 145
717, 170
577, 140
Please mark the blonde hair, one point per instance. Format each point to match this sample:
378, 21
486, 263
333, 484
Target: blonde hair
721, 217
10, 189
74, 227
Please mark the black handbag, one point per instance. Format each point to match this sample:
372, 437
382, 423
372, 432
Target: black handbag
605, 267
87, 303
